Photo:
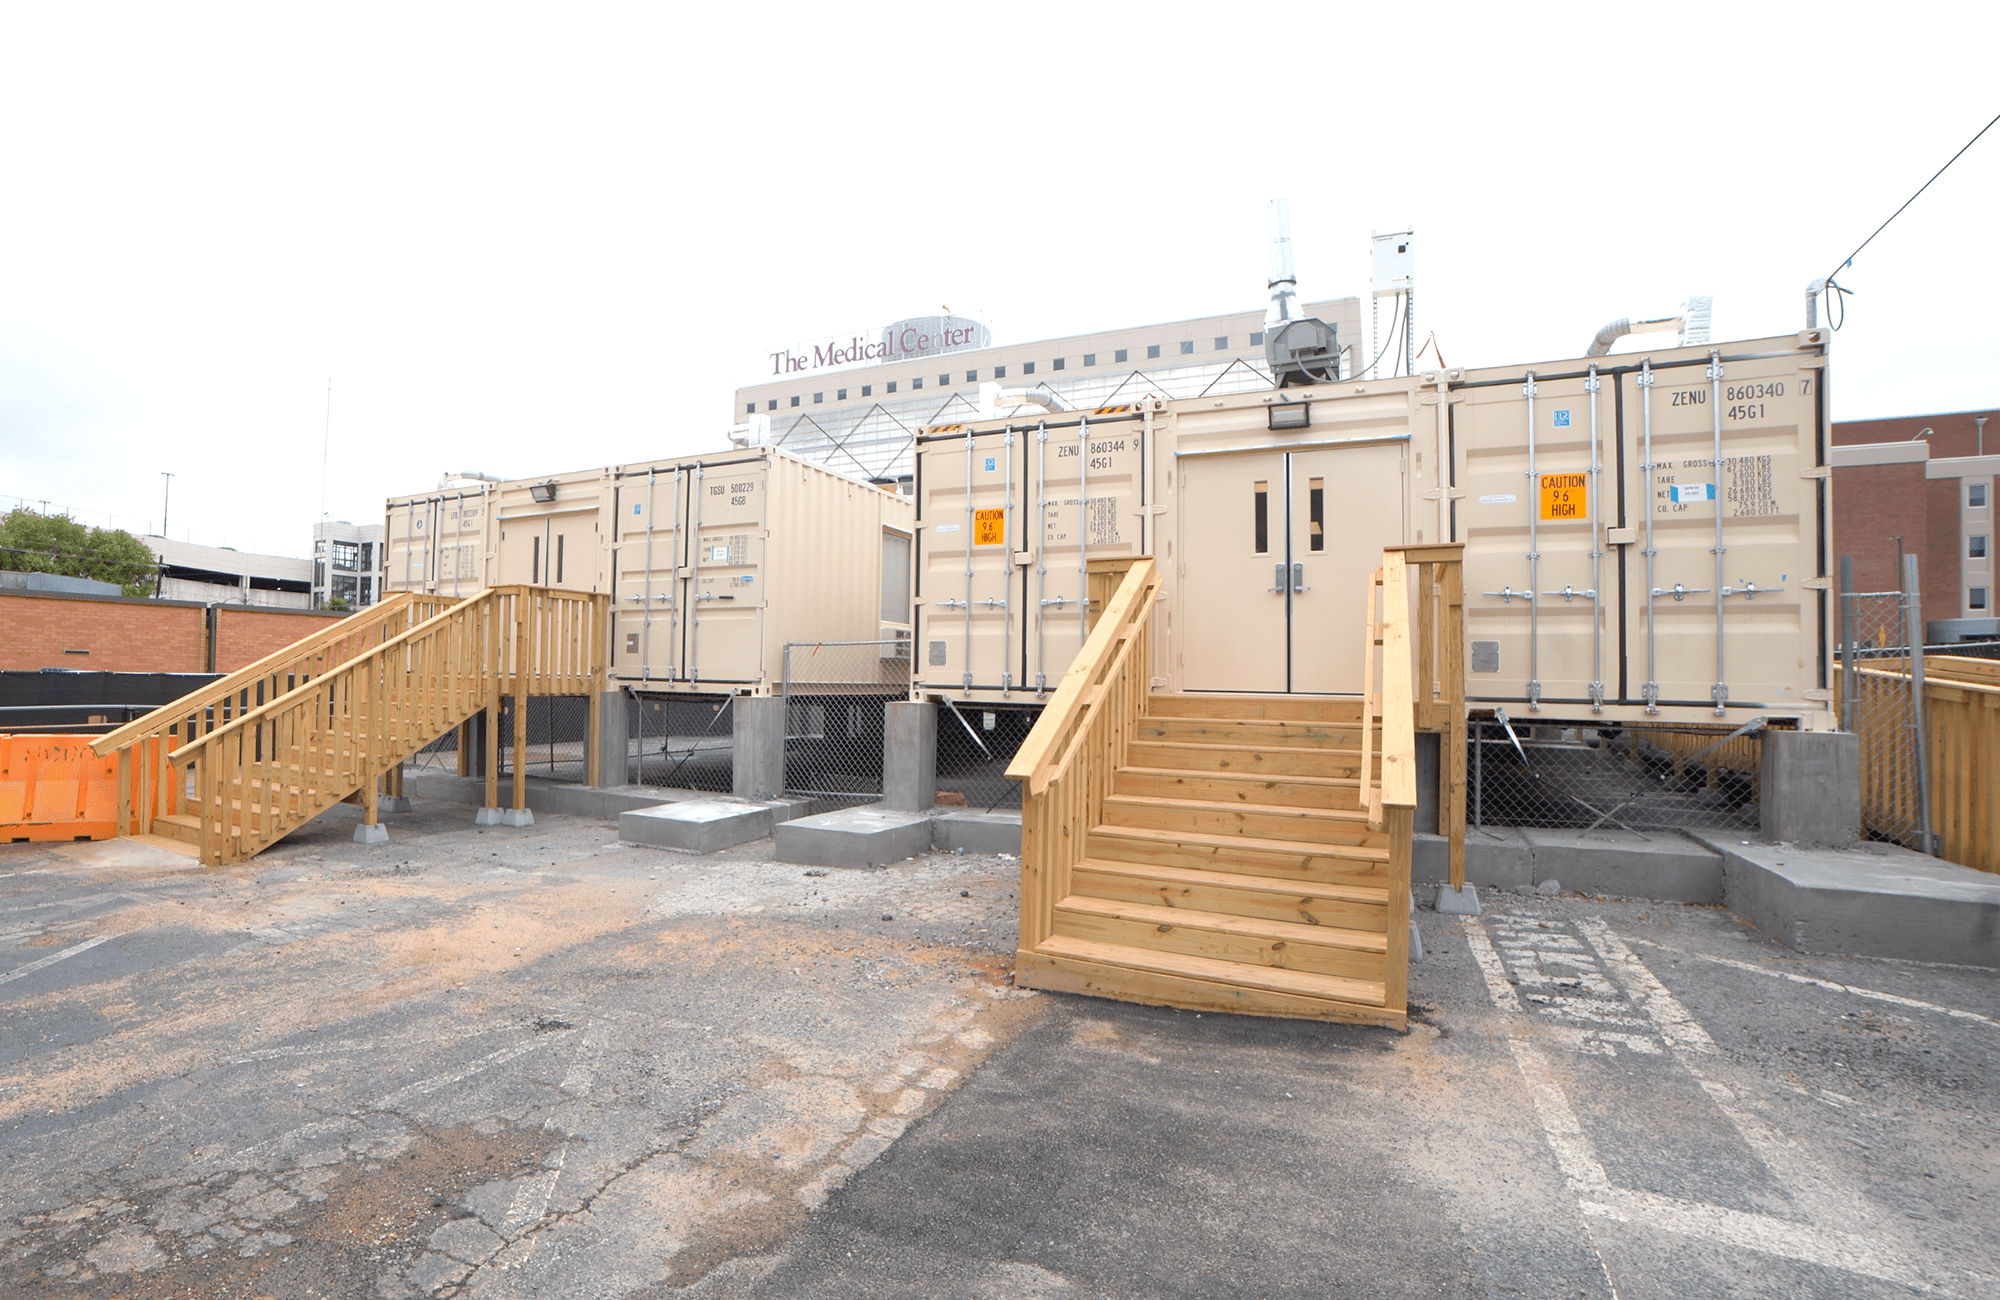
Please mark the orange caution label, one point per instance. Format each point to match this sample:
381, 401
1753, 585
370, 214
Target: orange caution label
1565, 496
989, 528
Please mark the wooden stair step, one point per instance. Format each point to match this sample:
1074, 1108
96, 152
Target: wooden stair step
1340, 906
1250, 855
1302, 708
1270, 822
1272, 979
1257, 941
1276, 760
1229, 787
183, 827
1252, 733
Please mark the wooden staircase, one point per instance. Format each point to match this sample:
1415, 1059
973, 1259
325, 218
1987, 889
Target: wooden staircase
330, 719
1245, 853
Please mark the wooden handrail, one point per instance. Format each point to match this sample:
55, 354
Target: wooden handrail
1050, 745
1399, 739
251, 677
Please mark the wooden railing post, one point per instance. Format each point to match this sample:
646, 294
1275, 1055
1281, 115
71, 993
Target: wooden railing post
523, 683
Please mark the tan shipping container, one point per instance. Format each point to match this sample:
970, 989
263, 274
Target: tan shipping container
436, 541
1268, 511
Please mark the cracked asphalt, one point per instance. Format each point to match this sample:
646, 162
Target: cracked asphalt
534, 1062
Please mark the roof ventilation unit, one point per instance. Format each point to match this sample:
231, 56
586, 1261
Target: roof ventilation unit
1300, 349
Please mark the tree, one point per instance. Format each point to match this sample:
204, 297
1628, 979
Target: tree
58, 544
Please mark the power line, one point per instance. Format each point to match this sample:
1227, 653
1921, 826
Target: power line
1829, 285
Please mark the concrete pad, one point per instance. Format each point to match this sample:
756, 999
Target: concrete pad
854, 837
517, 817
697, 827
1871, 900
486, 817
1665, 865
977, 832
366, 834
1463, 901
1496, 857
392, 803
548, 796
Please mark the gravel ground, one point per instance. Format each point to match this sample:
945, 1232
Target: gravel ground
535, 1062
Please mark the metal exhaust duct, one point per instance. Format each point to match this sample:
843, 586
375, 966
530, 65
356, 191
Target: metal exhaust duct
1300, 349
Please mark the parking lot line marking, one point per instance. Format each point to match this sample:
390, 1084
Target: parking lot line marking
1833, 985
1676, 1025
55, 957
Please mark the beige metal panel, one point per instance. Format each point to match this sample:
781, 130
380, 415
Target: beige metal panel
725, 571
555, 543
976, 523
1088, 504
649, 552
437, 541
1541, 656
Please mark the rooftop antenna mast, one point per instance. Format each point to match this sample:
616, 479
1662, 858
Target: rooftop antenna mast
325, 444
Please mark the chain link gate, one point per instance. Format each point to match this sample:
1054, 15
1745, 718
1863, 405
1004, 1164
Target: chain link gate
1582, 776
974, 746
683, 742
835, 693
1881, 686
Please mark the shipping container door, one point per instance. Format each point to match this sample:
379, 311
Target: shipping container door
1539, 619
410, 527
974, 505
460, 544
1736, 625
650, 551
727, 518
552, 547
1089, 503
1277, 548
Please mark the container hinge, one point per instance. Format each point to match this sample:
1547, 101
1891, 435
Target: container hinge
1041, 684
1509, 594
1569, 593
1679, 592
1650, 693
1534, 697
1750, 590
1720, 694
966, 681
1817, 471
1817, 584
1006, 679
1597, 697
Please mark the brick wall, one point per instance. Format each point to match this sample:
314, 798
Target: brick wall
130, 635
120, 634
245, 634
1872, 504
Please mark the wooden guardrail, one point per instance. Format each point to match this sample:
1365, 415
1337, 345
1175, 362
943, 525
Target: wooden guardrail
267, 770
1432, 615
1067, 762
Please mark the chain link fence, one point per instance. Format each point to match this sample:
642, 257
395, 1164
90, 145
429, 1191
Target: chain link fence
1583, 776
975, 743
558, 736
835, 693
682, 742
1879, 704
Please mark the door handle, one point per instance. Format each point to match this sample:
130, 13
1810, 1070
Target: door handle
1298, 577
1280, 588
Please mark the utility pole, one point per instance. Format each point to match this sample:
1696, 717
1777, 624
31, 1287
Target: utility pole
166, 498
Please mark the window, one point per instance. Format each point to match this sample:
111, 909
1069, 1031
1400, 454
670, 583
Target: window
818, 398
916, 383
867, 390
1118, 356
535, 563
1027, 367
944, 381
1261, 495
840, 395
972, 376
774, 404
750, 409
1152, 350
1975, 547
1257, 339
559, 559
895, 577
1976, 598
347, 555
1222, 343
368, 556
1089, 358
890, 387
999, 372
1975, 495
1187, 346
1316, 512
1059, 362
795, 399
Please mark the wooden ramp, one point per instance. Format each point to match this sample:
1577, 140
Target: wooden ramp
232, 768
1245, 853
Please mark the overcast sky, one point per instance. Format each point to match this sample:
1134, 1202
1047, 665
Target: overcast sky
528, 240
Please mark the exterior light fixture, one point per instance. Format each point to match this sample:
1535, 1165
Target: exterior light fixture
543, 491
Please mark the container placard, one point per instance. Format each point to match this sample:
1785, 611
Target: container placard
1565, 497
989, 528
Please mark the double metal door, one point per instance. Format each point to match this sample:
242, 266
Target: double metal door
1276, 552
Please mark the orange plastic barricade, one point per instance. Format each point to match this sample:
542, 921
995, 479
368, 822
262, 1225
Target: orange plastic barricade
55, 788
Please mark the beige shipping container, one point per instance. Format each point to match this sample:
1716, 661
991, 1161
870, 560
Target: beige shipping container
1268, 511
436, 542
719, 561
550, 532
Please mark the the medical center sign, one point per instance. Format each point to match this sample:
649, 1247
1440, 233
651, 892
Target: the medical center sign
921, 336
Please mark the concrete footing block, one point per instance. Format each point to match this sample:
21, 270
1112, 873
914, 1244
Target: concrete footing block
366, 834
517, 817
486, 817
1416, 943
1463, 901
977, 832
854, 837
393, 803
698, 826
